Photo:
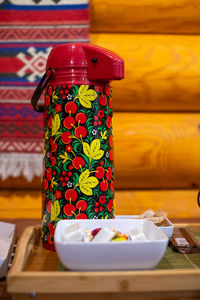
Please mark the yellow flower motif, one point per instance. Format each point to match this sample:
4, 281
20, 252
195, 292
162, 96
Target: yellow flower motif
46, 135
44, 152
53, 182
54, 97
64, 157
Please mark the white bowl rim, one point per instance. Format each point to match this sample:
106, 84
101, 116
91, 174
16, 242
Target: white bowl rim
85, 244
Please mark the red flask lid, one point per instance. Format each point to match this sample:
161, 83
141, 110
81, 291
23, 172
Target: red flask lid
82, 63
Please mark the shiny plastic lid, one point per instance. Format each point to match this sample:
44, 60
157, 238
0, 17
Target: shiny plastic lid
93, 62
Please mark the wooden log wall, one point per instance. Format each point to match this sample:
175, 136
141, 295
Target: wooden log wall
162, 72
26, 204
154, 16
157, 105
156, 108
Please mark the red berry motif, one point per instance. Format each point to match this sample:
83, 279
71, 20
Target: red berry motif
102, 199
112, 186
103, 100
109, 174
111, 155
71, 195
81, 118
68, 122
104, 185
51, 228
50, 122
66, 137
58, 108
101, 114
47, 100
50, 90
111, 140
110, 205
45, 184
80, 132
78, 162
110, 103
82, 205
71, 107
70, 167
53, 145
69, 148
99, 172
81, 216
48, 174
107, 90
48, 206
98, 88
109, 122
58, 194
69, 209
53, 161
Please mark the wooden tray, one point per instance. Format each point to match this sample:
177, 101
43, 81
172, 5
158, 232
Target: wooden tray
36, 272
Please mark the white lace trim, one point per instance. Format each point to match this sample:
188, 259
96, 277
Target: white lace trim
17, 164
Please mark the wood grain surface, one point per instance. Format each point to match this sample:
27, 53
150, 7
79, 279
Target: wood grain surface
177, 295
177, 203
178, 16
162, 72
157, 150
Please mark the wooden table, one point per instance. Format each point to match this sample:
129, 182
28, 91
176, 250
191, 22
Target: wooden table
123, 285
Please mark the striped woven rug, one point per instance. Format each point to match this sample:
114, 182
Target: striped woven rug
28, 31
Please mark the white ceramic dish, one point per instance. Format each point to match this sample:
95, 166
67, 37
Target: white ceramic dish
125, 255
168, 230
7, 239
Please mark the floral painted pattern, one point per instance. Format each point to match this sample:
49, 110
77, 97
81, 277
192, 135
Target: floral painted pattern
78, 172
